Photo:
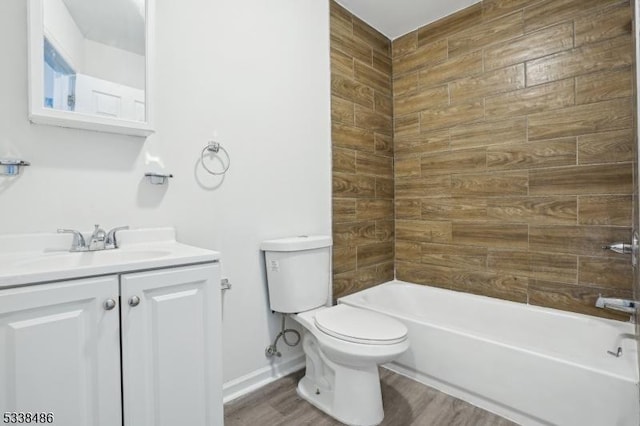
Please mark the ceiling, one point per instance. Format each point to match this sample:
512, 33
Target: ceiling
394, 18
117, 23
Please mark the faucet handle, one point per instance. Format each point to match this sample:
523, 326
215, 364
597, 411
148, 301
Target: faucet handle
78, 243
111, 241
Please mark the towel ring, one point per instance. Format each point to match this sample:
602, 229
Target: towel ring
215, 147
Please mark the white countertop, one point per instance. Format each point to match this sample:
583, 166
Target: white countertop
37, 258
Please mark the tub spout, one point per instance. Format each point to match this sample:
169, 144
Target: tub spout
622, 305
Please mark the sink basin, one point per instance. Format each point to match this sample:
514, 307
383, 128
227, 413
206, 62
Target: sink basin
40, 258
91, 258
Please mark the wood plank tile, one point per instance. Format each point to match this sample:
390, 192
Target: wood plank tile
408, 209
385, 230
549, 12
382, 63
344, 210
371, 36
383, 105
607, 147
425, 186
369, 119
372, 164
435, 276
383, 144
352, 46
486, 33
606, 55
463, 160
612, 210
604, 23
492, 9
603, 86
581, 120
351, 282
504, 235
344, 160
371, 209
384, 187
559, 210
407, 167
530, 46
553, 266
605, 272
454, 208
351, 90
408, 251
342, 111
406, 124
494, 184
344, 259
578, 240
545, 97
373, 254
419, 100
354, 234
490, 83
437, 117
454, 23
340, 19
508, 287
556, 152
454, 256
513, 261
574, 298
422, 143
452, 69
489, 133
371, 77
406, 44
423, 231
341, 63
405, 83
422, 57
582, 180
348, 185
352, 137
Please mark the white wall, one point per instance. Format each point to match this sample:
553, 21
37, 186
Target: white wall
254, 72
113, 64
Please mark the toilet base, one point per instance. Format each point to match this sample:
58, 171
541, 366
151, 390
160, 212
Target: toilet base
349, 394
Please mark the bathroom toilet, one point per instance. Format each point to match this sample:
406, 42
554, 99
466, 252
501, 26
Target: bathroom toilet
343, 345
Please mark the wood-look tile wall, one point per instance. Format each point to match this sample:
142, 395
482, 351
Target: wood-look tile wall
514, 151
362, 110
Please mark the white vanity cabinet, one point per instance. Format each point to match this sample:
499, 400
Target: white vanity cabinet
171, 332
60, 352
66, 349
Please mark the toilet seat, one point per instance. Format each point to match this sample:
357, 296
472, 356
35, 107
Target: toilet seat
360, 326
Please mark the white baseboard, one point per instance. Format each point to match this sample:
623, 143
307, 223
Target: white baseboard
249, 382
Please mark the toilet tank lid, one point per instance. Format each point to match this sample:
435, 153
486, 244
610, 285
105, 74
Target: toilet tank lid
302, 242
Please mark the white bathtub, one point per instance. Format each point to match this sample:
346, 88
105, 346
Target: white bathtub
535, 366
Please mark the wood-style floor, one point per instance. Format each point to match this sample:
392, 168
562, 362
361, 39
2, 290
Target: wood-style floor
405, 403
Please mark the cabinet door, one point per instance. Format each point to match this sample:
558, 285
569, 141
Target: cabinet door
172, 371
60, 351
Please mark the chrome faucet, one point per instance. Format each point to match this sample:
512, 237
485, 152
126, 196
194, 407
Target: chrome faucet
622, 305
98, 238
78, 243
112, 242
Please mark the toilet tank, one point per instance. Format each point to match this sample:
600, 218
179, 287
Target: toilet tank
298, 272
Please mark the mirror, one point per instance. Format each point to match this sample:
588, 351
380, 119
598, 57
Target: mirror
89, 64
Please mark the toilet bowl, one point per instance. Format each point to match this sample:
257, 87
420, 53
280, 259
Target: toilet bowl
343, 347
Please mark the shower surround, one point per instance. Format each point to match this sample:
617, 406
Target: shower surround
513, 152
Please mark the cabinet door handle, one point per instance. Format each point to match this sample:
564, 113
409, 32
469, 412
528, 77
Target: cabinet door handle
134, 301
109, 304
